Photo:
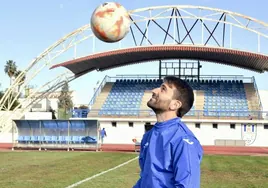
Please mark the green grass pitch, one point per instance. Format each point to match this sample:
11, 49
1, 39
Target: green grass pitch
61, 169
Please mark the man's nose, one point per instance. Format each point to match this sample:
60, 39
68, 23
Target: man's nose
154, 91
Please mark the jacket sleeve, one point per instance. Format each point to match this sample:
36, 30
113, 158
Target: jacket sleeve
187, 156
137, 185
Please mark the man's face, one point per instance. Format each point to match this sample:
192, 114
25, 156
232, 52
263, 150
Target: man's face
162, 98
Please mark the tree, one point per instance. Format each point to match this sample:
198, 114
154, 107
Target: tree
10, 69
17, 73
83, 107
65, 99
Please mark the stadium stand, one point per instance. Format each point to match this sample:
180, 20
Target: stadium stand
253, 99
213, 98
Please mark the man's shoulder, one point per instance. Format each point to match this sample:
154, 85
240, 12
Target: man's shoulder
179, 130
185, 130
146, 134
184, 134
187, 143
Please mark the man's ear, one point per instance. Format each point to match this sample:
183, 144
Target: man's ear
176, 105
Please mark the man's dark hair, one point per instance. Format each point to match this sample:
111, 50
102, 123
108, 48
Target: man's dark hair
184, 93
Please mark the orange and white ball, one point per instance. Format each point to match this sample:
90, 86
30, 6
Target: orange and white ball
110, 22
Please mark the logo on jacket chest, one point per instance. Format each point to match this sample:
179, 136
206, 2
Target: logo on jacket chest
146, 145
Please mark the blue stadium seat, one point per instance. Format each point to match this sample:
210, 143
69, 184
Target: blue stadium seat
26, 139
61, 139
54, 139
225, 96
221, 97
48, 139
75, 139
34, 138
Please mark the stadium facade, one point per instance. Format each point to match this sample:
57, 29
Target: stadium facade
228, 110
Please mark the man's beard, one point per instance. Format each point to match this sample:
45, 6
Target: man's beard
156, 106
152, 105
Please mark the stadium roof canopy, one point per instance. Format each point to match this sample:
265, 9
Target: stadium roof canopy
121, 57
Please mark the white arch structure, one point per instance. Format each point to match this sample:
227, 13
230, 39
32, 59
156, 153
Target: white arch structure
141, 19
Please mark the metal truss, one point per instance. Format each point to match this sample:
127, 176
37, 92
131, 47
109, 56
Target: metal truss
206, 21
36, 96
213, 27
43, 62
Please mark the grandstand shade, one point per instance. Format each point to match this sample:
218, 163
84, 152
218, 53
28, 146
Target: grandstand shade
116, 58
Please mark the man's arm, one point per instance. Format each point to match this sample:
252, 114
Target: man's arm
137, 185
187, 156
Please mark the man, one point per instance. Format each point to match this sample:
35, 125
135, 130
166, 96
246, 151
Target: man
170, 154
102, 134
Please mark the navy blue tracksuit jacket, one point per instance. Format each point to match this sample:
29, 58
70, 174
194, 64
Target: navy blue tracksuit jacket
170, 156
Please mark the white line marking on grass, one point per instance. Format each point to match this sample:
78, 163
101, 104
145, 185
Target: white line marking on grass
101, 173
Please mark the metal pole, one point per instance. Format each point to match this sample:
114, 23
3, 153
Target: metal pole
40, 131
13, 141
179, 68
68, 133
202, 31
147, 28
160, 63
198, 71
98, 135
174, 29
223, 33
147, 31
230, 36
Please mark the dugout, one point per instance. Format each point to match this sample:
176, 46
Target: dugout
61, 134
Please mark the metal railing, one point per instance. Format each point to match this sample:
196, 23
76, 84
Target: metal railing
203, 77
98, 90
257, 93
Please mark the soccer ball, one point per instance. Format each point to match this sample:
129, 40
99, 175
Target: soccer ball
110, 22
